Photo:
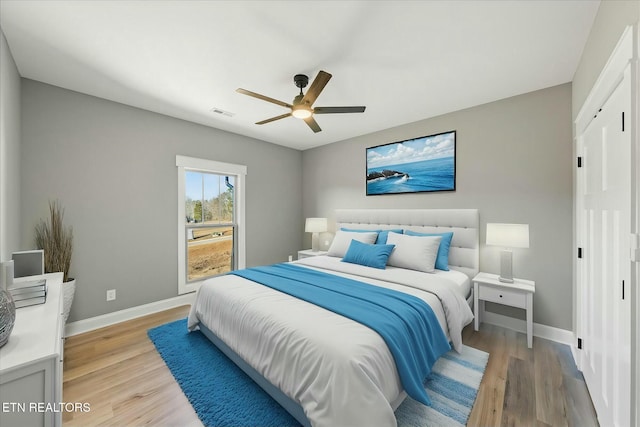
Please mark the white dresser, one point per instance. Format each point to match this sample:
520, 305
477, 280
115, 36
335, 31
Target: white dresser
31, 363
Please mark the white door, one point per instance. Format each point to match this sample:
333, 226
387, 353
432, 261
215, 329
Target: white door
606, 260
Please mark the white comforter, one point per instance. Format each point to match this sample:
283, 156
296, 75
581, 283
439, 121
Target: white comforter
341, 372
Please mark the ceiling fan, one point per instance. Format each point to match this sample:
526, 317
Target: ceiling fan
302, 106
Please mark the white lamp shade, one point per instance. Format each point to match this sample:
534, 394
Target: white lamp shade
315, 225
508, 235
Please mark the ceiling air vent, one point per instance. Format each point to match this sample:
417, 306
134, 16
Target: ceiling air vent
222, 112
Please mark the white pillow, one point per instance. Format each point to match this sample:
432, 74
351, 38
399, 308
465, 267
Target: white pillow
343, 239
414, 252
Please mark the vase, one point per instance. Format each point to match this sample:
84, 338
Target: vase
7, 316
68, 291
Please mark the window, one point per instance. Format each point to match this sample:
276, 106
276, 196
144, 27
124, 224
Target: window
210, 220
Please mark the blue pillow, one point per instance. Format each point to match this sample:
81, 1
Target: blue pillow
382, 234
442, 260
375, 256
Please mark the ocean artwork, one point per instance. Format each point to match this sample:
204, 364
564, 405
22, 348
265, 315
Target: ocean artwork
416, 165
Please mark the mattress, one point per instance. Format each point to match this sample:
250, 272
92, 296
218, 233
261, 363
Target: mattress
332, 366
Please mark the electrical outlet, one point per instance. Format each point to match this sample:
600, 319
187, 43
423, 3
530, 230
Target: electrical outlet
111, 294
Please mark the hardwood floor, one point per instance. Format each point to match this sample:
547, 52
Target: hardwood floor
119, 373
528, 387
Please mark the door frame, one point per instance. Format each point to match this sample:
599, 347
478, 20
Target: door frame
624, 54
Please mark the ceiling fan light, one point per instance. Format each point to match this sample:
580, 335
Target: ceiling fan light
300, 112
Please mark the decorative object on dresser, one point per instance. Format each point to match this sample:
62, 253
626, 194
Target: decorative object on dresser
7, 306
315, 226
28, 292
507, 236
6, 279
57, 242
28, 263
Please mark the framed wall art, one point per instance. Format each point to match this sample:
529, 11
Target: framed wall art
424, 164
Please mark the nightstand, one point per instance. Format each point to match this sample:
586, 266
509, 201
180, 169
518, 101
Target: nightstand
487, 287
309, 253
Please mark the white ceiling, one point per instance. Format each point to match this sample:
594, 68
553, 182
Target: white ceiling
404, 60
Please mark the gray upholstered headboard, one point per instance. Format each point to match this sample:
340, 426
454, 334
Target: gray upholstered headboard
464, 254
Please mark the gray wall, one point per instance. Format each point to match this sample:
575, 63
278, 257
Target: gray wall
9, 153
610, 22
514, 163
113, 168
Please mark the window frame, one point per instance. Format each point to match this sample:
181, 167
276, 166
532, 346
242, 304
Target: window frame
239, 172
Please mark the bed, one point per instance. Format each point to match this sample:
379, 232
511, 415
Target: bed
323, 368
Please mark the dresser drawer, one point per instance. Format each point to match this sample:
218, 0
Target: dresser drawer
503, 296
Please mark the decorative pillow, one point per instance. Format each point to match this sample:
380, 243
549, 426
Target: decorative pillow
442, 261
382, 234
343, 239
414, 252
375, 256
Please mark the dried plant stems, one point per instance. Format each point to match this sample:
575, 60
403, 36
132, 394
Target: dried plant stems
56, 240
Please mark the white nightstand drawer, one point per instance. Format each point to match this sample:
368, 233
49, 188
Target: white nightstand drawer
503, 296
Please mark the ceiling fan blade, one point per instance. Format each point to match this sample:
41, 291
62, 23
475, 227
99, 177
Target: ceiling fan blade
264, 98
273, 119
316, 87
312, 124
332, 110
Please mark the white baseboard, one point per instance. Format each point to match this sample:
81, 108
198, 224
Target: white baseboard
542, 331
109, 319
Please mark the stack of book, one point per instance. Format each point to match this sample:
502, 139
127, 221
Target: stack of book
29, 292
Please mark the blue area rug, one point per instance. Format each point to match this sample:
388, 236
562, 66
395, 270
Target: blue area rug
223, 395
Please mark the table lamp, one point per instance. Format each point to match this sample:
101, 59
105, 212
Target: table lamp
507, 236
315, 226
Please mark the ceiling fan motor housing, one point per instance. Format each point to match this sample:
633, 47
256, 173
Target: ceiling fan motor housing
301, 80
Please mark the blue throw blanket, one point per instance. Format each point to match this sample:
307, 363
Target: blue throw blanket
406, 323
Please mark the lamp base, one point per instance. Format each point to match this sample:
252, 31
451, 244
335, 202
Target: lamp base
506, 267
315, 244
